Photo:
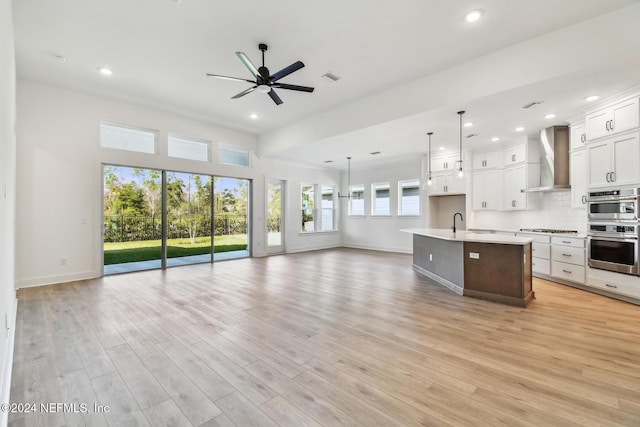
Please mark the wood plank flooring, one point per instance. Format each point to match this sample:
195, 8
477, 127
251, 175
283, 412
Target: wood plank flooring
334, 337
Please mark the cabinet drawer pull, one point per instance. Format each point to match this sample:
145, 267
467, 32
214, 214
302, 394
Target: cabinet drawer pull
566, 255
611, 286
584, 200
611, 124
613, 176
568, 271
607, 176
583, 137
606, 125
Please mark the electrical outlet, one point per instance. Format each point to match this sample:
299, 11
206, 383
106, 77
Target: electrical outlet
63, 261
474, 255
430, 257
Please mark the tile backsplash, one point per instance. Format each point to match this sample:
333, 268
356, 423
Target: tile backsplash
554, 212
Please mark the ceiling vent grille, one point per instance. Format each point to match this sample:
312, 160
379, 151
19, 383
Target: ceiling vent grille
330, 76
531, 104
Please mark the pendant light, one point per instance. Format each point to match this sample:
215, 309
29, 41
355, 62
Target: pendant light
460, 172
429, 181
348, 195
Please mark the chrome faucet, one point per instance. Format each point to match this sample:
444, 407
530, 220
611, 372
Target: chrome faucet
454, 220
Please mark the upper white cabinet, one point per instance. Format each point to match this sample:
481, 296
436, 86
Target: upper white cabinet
487, 190
446, 183
516, 179
445, 163
578, 177
526, 152
489, 160
618, 117
578, 136
614, 161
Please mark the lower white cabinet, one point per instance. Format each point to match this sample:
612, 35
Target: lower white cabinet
540, 253
568, 258
623, 284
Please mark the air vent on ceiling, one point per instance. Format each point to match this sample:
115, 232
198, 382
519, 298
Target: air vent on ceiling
375, 153
471, 135
531, 104
328, 161
330, 76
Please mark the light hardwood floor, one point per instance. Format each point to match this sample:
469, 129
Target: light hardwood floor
335, 337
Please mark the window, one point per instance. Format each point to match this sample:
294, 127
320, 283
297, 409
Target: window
356, 201
380, 198
409, 200
308, 205
233, 156
185, 148
126, 138
327, 221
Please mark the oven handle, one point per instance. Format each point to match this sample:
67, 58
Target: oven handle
613, 239
606, 199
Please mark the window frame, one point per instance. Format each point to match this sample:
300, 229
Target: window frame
352, 198
155, 133
189, 139
374, 199
334, 225
222, 147
304, 185
401, 188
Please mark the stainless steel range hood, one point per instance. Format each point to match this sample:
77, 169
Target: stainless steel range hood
554, 160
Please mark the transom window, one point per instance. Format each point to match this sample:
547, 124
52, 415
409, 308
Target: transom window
188, 148
128, 138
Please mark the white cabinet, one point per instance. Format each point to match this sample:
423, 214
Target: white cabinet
619, 117
568, 258
578, 172
490, 160
578, 137
446, 183
614, 161
623, 284
540, 253
516, 179
528, 151
445, 163
487, 190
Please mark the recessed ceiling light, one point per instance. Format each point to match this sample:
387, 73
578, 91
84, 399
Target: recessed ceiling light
61, 58
468, 124
519, 129
254, 116
106, 72
440, 148
550, 116
495, 139
473, 16
592, 98
375, 153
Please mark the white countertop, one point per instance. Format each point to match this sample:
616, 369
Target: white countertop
499, 230
468, 236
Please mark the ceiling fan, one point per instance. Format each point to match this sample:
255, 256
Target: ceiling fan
264, 81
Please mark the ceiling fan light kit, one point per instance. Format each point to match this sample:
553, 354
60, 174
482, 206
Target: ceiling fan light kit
265, 82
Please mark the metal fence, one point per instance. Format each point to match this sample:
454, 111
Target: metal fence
126, 228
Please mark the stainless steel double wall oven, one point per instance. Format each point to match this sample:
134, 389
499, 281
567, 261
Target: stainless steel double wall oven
614, 229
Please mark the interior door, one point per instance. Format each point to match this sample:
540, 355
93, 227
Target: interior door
275, 216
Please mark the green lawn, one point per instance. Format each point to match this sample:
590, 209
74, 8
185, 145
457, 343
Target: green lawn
146, 250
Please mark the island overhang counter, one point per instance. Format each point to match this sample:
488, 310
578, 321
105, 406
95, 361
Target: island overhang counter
487, 266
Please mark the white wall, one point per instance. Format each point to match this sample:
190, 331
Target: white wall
294, 176
382, 233
59, 177
7, 199
554, 212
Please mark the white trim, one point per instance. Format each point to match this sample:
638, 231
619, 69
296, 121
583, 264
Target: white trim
379, 248
313, 248
444, 282
5, 389
55, 279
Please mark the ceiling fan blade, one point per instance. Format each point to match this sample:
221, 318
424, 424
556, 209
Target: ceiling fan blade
286, 71
238, 79
247, 63
275, 97
293, 87
244, 92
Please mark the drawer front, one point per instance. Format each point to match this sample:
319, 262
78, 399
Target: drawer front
629, 289
540, 250
568, 254
541, 265
537, 238
571, 272
576, 242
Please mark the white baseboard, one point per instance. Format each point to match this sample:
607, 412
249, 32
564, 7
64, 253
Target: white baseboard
52, 280
311, 248
441, 280
5, 381
379, 248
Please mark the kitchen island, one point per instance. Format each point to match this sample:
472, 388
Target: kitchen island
487, 266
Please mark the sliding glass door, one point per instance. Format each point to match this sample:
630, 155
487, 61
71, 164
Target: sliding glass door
156, 219
132, 219
188, 218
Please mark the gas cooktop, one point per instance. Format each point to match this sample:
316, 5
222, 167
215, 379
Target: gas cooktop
549, 230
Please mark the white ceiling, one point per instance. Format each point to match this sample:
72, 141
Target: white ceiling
160, 51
